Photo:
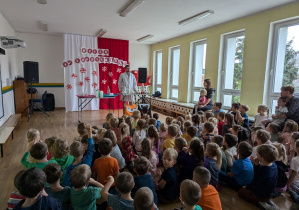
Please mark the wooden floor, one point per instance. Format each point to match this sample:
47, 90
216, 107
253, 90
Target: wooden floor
63, 125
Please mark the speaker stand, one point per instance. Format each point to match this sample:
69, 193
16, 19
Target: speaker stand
32, 105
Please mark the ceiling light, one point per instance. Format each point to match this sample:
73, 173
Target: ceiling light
130, 7
145, 38
42, 1
101, 32
43, 26
195, 17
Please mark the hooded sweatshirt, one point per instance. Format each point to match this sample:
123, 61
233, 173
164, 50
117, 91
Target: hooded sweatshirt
64, 162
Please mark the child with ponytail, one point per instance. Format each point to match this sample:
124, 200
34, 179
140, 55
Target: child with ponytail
190, 159
282, 168
146, 151
286, 136
213, 162
153, 135
260, 116
126, 144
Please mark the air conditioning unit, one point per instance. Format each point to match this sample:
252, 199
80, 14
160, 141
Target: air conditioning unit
11, 42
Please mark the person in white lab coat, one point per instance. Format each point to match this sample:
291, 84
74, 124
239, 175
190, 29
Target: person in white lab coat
127, 84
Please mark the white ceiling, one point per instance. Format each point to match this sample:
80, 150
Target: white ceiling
157, 17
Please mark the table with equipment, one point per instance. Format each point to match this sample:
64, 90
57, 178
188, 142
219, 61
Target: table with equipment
83, 101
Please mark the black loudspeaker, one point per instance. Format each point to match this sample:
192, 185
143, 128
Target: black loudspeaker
142, 75
31, 72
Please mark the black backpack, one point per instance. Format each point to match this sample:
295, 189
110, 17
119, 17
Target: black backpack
157, 94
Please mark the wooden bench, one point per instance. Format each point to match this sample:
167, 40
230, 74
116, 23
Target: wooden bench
7, 129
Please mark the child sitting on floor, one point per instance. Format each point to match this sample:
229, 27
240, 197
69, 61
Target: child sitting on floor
81, 129
136, 116
31, 184
126, 145
15, 197
83, 196
230, 142
146, 151
241, 173
105, 165
77, 150
213, 162
156, 116
286, 136
168, 179
144, 199
215, 123
196, 120
114, 127
144, 113
50, 142
208, 133
62, 194
217, 108
169, 121
220, 140
124, 183
260, 117
116, 153
109, 116
262, 137
191, 134
209, 195
143, 179
171, 134
153, 135
186, 125
139, 135
62, 156
273, 129
33, 136
295, 137
221, 122
190, 161
39, 152
265, 179
190, 194
229, 122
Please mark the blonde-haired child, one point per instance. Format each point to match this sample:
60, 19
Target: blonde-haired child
295, 137
61, 155
282, 167
260, 117
136, 116
172, 132
215, 123
130, 120
146, 151
126, 144
242, 116
181, 120
169, 120
109, 116
286, 135
280, 110
293, 182
33, 136
153, 135
213, 161
188, 117
186, 125
139, 135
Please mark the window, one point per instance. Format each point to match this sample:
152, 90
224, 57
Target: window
232, 66
174, 72
198, 68
158, 70
284, 60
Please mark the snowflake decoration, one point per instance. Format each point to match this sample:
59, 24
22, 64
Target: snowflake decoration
87, 79
74, 76
104, 81
110, 74
82, 70
69, 86
104, 68
94, 85
114, 81
80, 83
118, 70
94, 73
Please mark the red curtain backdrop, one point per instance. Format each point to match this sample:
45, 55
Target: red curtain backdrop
109, 73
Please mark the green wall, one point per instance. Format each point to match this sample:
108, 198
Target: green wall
255, 53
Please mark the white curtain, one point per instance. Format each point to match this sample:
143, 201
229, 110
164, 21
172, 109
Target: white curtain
83, 77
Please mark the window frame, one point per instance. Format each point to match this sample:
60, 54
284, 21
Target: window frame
156, 85
171, 86
271, 95
192, 73
224, 91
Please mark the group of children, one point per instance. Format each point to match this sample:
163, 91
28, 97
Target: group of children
136, 162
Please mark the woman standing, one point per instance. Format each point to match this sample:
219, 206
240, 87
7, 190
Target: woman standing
208, 105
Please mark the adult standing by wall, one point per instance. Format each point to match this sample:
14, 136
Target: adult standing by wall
208, 105
127, 84
293, 103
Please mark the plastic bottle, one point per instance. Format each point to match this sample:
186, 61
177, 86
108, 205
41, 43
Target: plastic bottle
108, 91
